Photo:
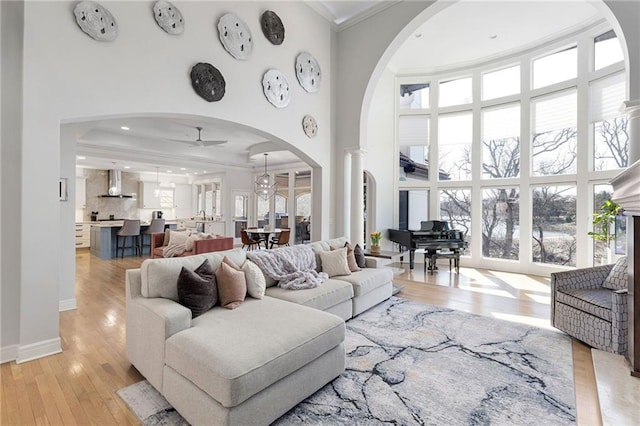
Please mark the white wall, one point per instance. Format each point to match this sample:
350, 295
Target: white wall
11, 86
71, 76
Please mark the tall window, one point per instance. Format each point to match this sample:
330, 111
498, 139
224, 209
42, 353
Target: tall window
414, 96
501, 223
501, 142
607, 50
501, 83
554, 68
601, 193
553, 142
455, 208
554, 225
610, 132
414, 147
455, 92
455, 134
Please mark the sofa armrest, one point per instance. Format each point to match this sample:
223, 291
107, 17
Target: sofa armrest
157, 239
212, 244
371, 262
620, 321
150, 322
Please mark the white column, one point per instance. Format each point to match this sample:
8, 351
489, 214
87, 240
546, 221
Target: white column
346, 218
357, 198
632, 109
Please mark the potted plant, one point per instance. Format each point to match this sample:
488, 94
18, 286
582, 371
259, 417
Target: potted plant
375, 241
603, 222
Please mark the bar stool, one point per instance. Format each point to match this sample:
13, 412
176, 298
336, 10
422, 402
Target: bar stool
130, 228
156, 226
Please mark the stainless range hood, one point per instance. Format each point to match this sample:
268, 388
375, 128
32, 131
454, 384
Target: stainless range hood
115, 186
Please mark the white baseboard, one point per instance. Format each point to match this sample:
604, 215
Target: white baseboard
8, 353
67, 305
38, 350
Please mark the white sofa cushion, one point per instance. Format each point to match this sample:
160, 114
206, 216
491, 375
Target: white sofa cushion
330, 293
160, 276
368, 279
234, 354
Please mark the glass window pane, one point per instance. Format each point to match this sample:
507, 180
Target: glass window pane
455, 134
455, 92
414, 96
414, 147
500, 223
554, 225
501, 142
601, 193
500, 83
607, 50
554, 134
418, 208
611, 144
554, 68
455, 208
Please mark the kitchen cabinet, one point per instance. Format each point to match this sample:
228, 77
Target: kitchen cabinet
83, 231
147, 197
215, 228
183, 200
81, 192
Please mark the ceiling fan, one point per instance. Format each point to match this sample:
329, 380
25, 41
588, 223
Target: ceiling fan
199, 142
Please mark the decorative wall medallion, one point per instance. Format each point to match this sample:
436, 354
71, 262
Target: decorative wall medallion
168, 17
276, 88
235, 36
96, 21
272, 27
208, 82
308, 72
310, 126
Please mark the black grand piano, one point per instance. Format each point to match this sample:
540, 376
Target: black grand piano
434, 236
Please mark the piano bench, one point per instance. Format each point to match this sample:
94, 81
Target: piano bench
431, 258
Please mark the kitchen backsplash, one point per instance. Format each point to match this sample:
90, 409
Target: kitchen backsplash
97, 182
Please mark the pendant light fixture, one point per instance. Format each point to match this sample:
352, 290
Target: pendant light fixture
265, 186
156, 191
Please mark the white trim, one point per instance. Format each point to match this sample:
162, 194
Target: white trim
8, 353
67, 305
38, 350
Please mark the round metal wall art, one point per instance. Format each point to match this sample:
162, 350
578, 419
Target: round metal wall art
276, 88
272, 27
310, 126
168, 17
208, 82
235, 36
308, 72
96, 21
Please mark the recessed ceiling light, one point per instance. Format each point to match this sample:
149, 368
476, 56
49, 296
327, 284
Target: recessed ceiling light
124, 127
81, 157
204, 171
169, 171
127, 167
195, 173
182, 168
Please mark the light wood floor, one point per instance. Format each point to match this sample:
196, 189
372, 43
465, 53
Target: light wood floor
78, 386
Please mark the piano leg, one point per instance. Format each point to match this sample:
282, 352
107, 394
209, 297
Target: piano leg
412, 255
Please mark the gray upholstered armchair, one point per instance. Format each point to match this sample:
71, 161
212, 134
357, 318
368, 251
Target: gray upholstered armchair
590, 304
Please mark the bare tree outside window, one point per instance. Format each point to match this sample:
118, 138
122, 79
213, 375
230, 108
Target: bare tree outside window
611, 144
455, 207
500, 223
554, 225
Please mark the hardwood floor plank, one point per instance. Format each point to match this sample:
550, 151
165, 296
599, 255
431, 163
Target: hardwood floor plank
78, 386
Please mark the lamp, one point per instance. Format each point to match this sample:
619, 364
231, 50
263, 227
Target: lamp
265, 186
156, 192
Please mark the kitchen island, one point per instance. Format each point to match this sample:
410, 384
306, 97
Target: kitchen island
103, 237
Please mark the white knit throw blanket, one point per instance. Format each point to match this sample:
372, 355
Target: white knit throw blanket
293, 267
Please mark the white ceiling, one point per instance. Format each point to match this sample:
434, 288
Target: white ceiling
457, 36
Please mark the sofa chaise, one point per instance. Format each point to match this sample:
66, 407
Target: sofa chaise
249, 365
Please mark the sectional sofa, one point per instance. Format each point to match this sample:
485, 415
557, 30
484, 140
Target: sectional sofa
249, 365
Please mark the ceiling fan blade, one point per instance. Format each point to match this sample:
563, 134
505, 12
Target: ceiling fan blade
181, 141
212, 143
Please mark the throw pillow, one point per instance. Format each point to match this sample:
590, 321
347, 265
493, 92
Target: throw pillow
167, 237
334, 262
359, 255
351, 258
191, 239
617, 278
232, 285
197, 289
177, 238
256, 283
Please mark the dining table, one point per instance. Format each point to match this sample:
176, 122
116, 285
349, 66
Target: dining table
263, 233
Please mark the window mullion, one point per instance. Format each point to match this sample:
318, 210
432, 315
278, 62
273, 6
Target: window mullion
525, 163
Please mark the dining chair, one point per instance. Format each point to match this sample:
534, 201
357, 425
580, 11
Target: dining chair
156, 226
130, 228
282, 239
249, 242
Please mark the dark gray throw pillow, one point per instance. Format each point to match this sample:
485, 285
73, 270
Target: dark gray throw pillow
359, 254
197, 290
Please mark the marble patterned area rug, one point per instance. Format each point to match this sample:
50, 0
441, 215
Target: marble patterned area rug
414, 364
